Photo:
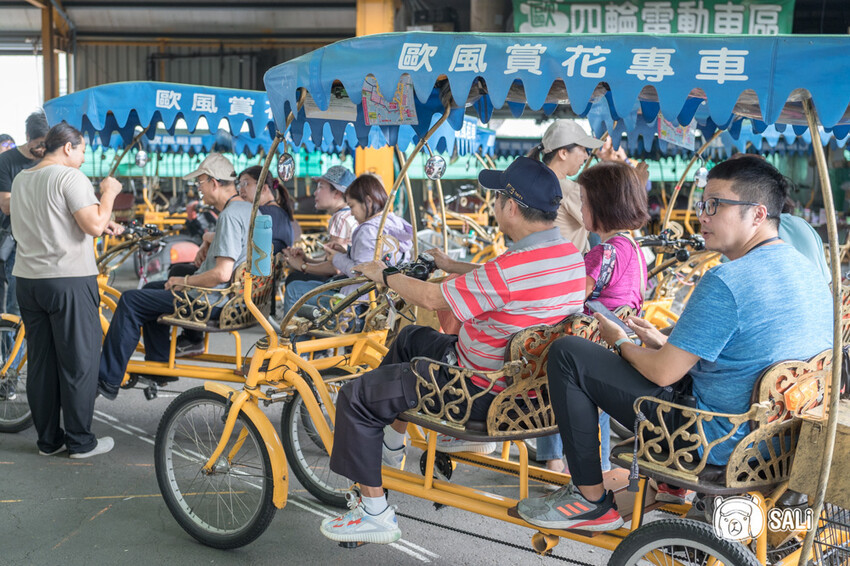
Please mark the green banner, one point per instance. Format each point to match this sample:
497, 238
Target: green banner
726, 17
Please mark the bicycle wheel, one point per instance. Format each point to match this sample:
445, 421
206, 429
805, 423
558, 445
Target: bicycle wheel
306, 453
680, 541
15, 414
232, 505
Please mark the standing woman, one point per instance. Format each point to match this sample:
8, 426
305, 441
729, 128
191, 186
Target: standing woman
55, 214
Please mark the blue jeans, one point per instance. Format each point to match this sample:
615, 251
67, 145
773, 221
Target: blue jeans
297, 289
11, 297
551, 447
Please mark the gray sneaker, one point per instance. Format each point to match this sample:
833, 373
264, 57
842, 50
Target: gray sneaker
568, 509
103, 446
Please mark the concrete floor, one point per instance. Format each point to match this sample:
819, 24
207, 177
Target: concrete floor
108, 509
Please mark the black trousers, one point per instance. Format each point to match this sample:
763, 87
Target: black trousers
367, 404
63, 349
584, 377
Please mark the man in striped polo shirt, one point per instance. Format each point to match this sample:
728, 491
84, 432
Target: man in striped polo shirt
540, 279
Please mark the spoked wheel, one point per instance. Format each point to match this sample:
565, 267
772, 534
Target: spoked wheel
15, 414
680, 541
229, 506
306, 453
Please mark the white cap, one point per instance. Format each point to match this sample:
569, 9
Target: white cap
567, 132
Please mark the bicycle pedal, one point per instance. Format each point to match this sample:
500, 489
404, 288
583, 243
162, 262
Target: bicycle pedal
151, 392
352, 544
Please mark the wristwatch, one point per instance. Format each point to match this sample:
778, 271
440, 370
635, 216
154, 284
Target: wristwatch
392, 270
304, 267
619, 343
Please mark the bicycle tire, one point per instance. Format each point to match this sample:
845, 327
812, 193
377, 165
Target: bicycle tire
187, 500
683, 541
307, 457
15, 414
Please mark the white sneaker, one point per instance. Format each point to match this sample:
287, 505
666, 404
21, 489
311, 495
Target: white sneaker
393, 458
103, 446
59, 450
359, 526
450, 445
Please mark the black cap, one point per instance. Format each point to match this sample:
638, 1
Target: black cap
527, 181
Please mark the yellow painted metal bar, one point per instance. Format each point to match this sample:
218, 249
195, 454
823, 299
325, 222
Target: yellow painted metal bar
238, 399
637, 509
523, 467
431, 455
410, 203
172, 348
481, 503
237, 446
837, 338
267, 432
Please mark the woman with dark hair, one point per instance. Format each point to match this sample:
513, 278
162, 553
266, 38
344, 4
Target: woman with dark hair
367, 197
284, 228
613, 202
55, 216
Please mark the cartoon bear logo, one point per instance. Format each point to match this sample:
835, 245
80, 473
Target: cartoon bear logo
737, 518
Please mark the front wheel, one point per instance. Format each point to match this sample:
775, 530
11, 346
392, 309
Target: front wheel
680, 541
15, 414
230, 505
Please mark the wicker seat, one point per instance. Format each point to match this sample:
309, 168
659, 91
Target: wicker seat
193, 306
762, 459
521, 410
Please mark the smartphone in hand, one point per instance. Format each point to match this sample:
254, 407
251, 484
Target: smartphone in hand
597, 306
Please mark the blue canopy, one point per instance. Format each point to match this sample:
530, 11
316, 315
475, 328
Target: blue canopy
122, 107
726, 77
222, 141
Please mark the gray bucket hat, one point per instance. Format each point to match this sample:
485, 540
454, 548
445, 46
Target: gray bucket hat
338, 176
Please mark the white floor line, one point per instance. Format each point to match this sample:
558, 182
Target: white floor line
325, 512
409, 552
419, 548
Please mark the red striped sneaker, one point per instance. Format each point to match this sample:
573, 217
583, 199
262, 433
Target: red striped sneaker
568, 509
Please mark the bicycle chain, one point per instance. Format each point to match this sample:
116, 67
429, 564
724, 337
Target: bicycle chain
493, 540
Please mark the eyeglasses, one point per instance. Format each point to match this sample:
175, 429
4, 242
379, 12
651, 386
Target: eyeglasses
245, 183
207, 180
709, 205
513, 194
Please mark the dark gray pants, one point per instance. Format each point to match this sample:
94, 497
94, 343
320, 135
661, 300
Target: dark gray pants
63, 350
369, 403
585, 377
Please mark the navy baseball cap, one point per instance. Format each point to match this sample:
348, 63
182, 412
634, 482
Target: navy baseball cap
527, 181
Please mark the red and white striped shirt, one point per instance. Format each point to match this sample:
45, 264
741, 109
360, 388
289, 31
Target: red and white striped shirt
539, 280
342, 225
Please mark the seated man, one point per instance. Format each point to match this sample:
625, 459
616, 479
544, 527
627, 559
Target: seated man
765, 305
141, 307
540, 279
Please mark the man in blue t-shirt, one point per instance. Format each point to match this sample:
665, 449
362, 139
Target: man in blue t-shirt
766, 305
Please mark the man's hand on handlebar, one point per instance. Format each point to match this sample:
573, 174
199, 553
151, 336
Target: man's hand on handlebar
373, 270
113, 228
441, 259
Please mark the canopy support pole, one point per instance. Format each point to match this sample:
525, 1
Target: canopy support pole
835, 268
445, 229
672, 201
409, 191
401, 175
126, 150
